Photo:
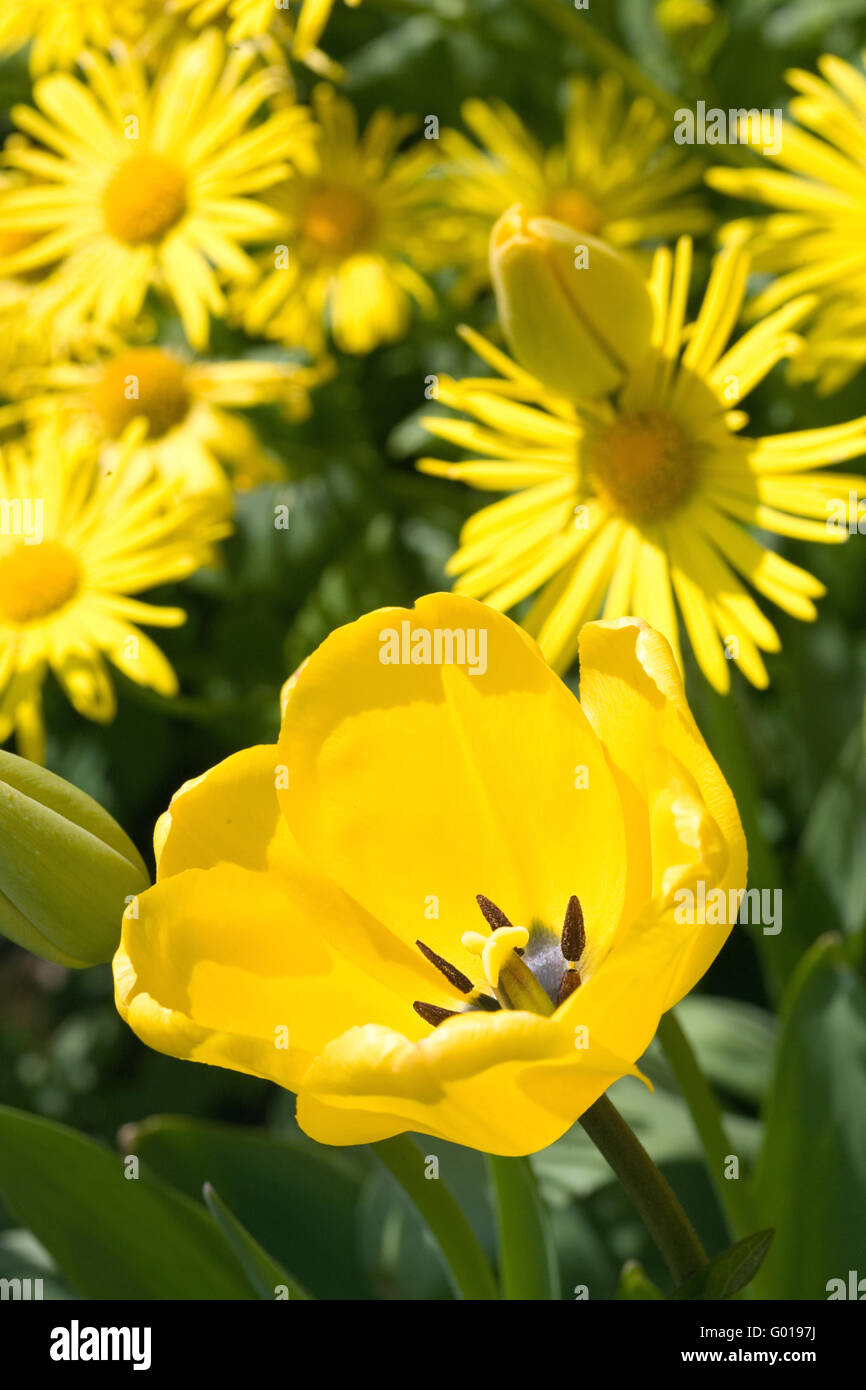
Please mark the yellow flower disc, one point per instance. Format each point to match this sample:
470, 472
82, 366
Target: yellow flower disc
143, 381
644, 466
36, 580
144, 198
337, 220
571, 206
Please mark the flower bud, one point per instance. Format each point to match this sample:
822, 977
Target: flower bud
67, 870
576, 313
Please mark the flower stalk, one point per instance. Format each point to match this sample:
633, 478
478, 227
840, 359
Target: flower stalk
651, 1193
527, 1257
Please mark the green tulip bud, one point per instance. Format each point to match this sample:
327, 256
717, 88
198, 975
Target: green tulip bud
577, 315
67, 870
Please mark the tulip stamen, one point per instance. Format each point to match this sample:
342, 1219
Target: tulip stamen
573, 944
539, 983
454, 976
573, 930
432, 1013
567, 985
493, 915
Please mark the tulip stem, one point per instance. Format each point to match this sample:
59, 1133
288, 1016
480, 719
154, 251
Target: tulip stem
527, 1257
465, 1260
651, 1193
706, 1116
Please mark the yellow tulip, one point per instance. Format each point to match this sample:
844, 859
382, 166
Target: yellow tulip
446, 900
576, 313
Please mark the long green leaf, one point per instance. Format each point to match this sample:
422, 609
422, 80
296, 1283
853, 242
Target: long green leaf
296, 1198
112, 1236
263, 1272
812, 1170
460, 1250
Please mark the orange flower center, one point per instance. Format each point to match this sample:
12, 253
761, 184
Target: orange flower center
643, 466
143, 381
336, 221
36, 580
145, 197
572, 207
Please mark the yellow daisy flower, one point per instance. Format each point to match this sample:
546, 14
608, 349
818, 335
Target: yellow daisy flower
175, 415
813, 239
252, 18
150, 184
450, 891
639, 502
616, 175
75, 544
59, 30
356, 225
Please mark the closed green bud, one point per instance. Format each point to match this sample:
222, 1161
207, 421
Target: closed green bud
577, 315
67, 870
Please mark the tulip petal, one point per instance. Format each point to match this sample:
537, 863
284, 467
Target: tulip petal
219, 961
228, 815
419, 786
674, 796
507, 1083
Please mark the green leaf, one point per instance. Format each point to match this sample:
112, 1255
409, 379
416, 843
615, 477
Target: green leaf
23, 1257
112, 1237
456, 1241
635, 1283
733, 1043
399, 1251
833, 853
729, 1272
812, 1170
296, 1198
263, 1272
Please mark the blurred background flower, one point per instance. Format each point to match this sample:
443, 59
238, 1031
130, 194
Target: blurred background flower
67, 580
149, 183
359, 224
813, 239
616, 173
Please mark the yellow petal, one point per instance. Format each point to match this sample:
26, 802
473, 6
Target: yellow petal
420, 786
232, 967
506, 1083
632, 691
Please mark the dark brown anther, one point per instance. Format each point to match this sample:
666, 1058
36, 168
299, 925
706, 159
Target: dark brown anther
431, 1013
573, 933
486, 1002
454, 976
567, 985
493, 915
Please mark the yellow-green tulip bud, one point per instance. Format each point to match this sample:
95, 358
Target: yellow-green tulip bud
67, 870
576, 313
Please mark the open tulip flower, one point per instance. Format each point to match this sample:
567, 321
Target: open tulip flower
446, 900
